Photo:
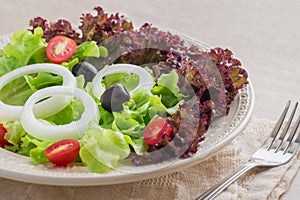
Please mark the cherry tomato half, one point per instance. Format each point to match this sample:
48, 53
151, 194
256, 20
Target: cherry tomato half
3, 141
155, 130
60, 49
63, 152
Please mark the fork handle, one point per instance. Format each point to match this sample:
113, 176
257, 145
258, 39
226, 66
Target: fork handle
214, 191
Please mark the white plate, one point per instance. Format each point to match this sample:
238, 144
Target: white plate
20, 168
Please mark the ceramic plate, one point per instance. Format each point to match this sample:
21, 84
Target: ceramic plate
20, 168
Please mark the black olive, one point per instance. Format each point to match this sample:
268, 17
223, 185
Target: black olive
113, 98
86, 69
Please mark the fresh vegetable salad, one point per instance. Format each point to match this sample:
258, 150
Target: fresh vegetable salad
107, 93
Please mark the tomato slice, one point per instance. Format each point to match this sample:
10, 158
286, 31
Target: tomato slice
155, 130
3, 141
60, 49
63, 152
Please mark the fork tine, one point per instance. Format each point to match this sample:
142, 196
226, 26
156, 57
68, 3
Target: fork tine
278, 125
295, 130
291, 137
286, 128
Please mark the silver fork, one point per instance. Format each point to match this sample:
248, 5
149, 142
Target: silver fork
278, 149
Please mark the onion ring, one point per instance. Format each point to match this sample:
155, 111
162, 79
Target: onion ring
145, 79
44, 108
73, 130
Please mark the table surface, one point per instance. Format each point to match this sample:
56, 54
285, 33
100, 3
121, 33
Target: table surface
264, 35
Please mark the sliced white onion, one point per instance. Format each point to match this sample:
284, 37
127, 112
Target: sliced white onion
73, 130
44, 108
145, 78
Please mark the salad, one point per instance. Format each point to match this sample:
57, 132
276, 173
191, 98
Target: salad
106, 93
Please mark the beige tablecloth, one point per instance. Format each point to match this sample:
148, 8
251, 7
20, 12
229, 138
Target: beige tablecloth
258, 184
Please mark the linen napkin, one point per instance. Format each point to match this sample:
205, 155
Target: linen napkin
258, 184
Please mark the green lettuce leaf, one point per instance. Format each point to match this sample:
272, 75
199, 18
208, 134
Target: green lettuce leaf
138, 144
129, 81
87, 49
103, 51
14, 132
37, 154
80, 82
43, 80
168, 89
139, 111
128, 123
18, 91
70, 64
71, 112
34, 148
7, 63
156, 108
139, 101
25, 144
102, 149
24, 48
106, 118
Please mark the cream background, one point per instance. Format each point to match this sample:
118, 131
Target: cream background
264, 35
